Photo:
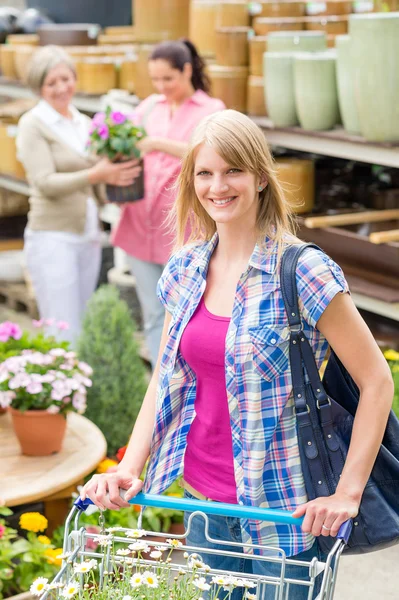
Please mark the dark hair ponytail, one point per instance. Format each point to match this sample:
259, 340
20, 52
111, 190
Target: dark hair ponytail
178, 54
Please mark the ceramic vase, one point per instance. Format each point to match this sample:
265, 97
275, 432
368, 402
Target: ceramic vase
315, 87
345, 85
375, 55
279, 88
291, 41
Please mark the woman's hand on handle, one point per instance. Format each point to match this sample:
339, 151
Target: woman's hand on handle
104, 489
120, 173
325, 515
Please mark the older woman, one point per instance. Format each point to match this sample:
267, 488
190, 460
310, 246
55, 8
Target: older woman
62, 239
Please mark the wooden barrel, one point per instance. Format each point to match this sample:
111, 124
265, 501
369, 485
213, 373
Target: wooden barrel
127, 75
265, 25
120, 30
9, 164
144, 85
23, 38
257, 46
202, 26
7, 52
297, 178
230, 85
120, 38
22, 56
280, 9
330, 7
164, 19
331, 25
256, 104
97, 75
232, 46
232, 13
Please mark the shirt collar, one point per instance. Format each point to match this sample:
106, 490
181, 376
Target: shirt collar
263, 257
50, 116
198, 97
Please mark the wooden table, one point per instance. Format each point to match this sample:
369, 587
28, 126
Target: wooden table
49, 479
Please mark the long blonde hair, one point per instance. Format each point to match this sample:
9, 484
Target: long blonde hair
241, 144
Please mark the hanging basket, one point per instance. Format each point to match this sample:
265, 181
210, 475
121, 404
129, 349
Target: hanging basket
130, 193
39, 432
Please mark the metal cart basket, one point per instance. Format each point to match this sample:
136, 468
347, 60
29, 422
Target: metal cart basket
133, 563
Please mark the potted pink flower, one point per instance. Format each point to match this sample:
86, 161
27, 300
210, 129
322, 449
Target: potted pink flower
40, 387
114, 135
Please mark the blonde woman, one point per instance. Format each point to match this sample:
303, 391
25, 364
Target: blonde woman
62, 239
223, 406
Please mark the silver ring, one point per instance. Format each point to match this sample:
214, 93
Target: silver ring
326, 528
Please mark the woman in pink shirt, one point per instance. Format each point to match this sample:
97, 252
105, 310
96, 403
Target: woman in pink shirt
177, 72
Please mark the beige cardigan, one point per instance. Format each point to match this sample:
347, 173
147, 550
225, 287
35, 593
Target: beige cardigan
58, 177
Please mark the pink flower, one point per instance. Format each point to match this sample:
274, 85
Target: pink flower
37, 324
6, 398
9, 330
66, 400
49, 322
62, 325
118, 118
57, 352
85, 368
53, 409
79, 402
103, 131
20, 380
98, 119
35, 387
2, 530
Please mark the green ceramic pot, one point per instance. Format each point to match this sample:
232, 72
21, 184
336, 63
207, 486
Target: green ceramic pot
315, 87
279, 88
375, 52
292, 41
345, 84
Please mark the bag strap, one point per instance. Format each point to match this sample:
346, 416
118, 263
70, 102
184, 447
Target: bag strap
318, 403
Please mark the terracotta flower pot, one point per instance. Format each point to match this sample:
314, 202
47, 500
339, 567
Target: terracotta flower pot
39, 432
3, 411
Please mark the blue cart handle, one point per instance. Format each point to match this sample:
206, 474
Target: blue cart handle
221, 509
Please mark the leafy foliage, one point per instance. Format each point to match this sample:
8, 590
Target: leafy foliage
119, 382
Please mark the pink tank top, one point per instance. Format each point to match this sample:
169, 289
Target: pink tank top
208, 461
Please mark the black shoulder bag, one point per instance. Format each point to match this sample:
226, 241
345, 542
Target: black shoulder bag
325, 411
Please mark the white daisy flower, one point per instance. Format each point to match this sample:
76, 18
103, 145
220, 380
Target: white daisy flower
196, 563
174, 543
113, 529
150, 579
219, 579
136, 580
39, 586
139, 547
201, 584
71, 589
103, 540
247, 583
123, 552
156, 554
249, 596
85, 566
135, 533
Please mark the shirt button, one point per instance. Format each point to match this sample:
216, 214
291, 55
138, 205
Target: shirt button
273, 341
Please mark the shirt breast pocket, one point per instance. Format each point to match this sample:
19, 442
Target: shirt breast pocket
270, 350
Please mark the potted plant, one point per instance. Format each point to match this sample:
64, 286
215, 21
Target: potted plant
40, 388
22, 559
114, 135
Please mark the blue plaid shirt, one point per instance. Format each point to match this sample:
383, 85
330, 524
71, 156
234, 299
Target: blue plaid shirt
265, 447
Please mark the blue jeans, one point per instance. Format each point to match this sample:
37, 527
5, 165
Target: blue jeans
228, 529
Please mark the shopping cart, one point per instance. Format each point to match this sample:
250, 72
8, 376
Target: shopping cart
153, 554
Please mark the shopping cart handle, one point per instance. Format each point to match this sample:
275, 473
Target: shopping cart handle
222, 509
209, 508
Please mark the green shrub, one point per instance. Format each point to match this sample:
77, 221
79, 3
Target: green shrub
107, 343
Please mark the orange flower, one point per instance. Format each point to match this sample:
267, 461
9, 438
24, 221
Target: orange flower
106, 464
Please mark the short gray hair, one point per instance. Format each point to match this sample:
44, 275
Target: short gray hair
43, 60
